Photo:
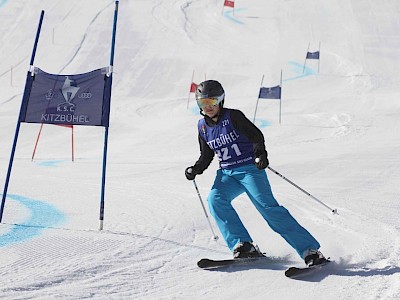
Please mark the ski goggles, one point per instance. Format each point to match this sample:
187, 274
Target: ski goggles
210, 101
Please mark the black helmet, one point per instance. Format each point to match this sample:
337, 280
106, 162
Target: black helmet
210, 89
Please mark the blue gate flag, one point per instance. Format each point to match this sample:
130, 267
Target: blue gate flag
80, 99
313, 55
270, 93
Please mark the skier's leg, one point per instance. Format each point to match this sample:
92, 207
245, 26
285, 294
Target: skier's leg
278, 217
224, 190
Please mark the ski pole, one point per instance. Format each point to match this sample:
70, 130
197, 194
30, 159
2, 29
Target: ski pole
214, 237
334, 211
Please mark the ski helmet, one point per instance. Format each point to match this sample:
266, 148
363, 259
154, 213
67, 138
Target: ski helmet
210, 89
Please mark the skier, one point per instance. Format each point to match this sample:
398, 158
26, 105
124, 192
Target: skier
240, 148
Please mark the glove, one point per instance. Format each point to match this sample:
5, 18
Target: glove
262, 161
190, 173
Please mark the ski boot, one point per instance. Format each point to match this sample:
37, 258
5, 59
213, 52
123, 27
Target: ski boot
246, 250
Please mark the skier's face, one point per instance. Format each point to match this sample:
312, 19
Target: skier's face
211, 110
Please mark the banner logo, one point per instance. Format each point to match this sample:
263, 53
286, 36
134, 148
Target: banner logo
68, 90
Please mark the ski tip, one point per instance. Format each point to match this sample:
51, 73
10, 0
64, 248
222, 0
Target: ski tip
206, 263
203, 263
296, 272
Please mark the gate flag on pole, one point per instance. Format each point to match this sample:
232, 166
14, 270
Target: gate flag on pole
193, 87
274, 92
79, 99
313, 55
270, 93
229, 3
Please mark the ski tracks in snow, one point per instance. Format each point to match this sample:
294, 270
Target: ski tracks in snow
70, 257
80, 45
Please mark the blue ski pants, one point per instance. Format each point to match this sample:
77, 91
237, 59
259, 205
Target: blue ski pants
231, 183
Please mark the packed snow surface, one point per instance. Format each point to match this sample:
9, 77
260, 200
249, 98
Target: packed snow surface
338, 138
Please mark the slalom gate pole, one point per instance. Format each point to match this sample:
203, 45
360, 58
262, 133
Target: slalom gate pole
72, 143
103, 177
28, 83
305, 60
280, 101
214, 237
190, 91
258, 98
334, 211
37, 141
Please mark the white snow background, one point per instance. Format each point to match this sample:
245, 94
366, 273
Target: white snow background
338, 140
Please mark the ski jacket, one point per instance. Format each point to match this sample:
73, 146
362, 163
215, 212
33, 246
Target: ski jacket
234, 139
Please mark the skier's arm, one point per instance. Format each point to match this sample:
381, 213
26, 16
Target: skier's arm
206, 156
246, 127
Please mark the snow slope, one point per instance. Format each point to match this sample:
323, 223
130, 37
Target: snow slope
338, 140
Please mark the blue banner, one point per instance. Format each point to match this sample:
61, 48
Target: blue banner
80, 99
313, 55
270, 93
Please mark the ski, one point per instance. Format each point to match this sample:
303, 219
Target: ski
295, 272
206, 263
